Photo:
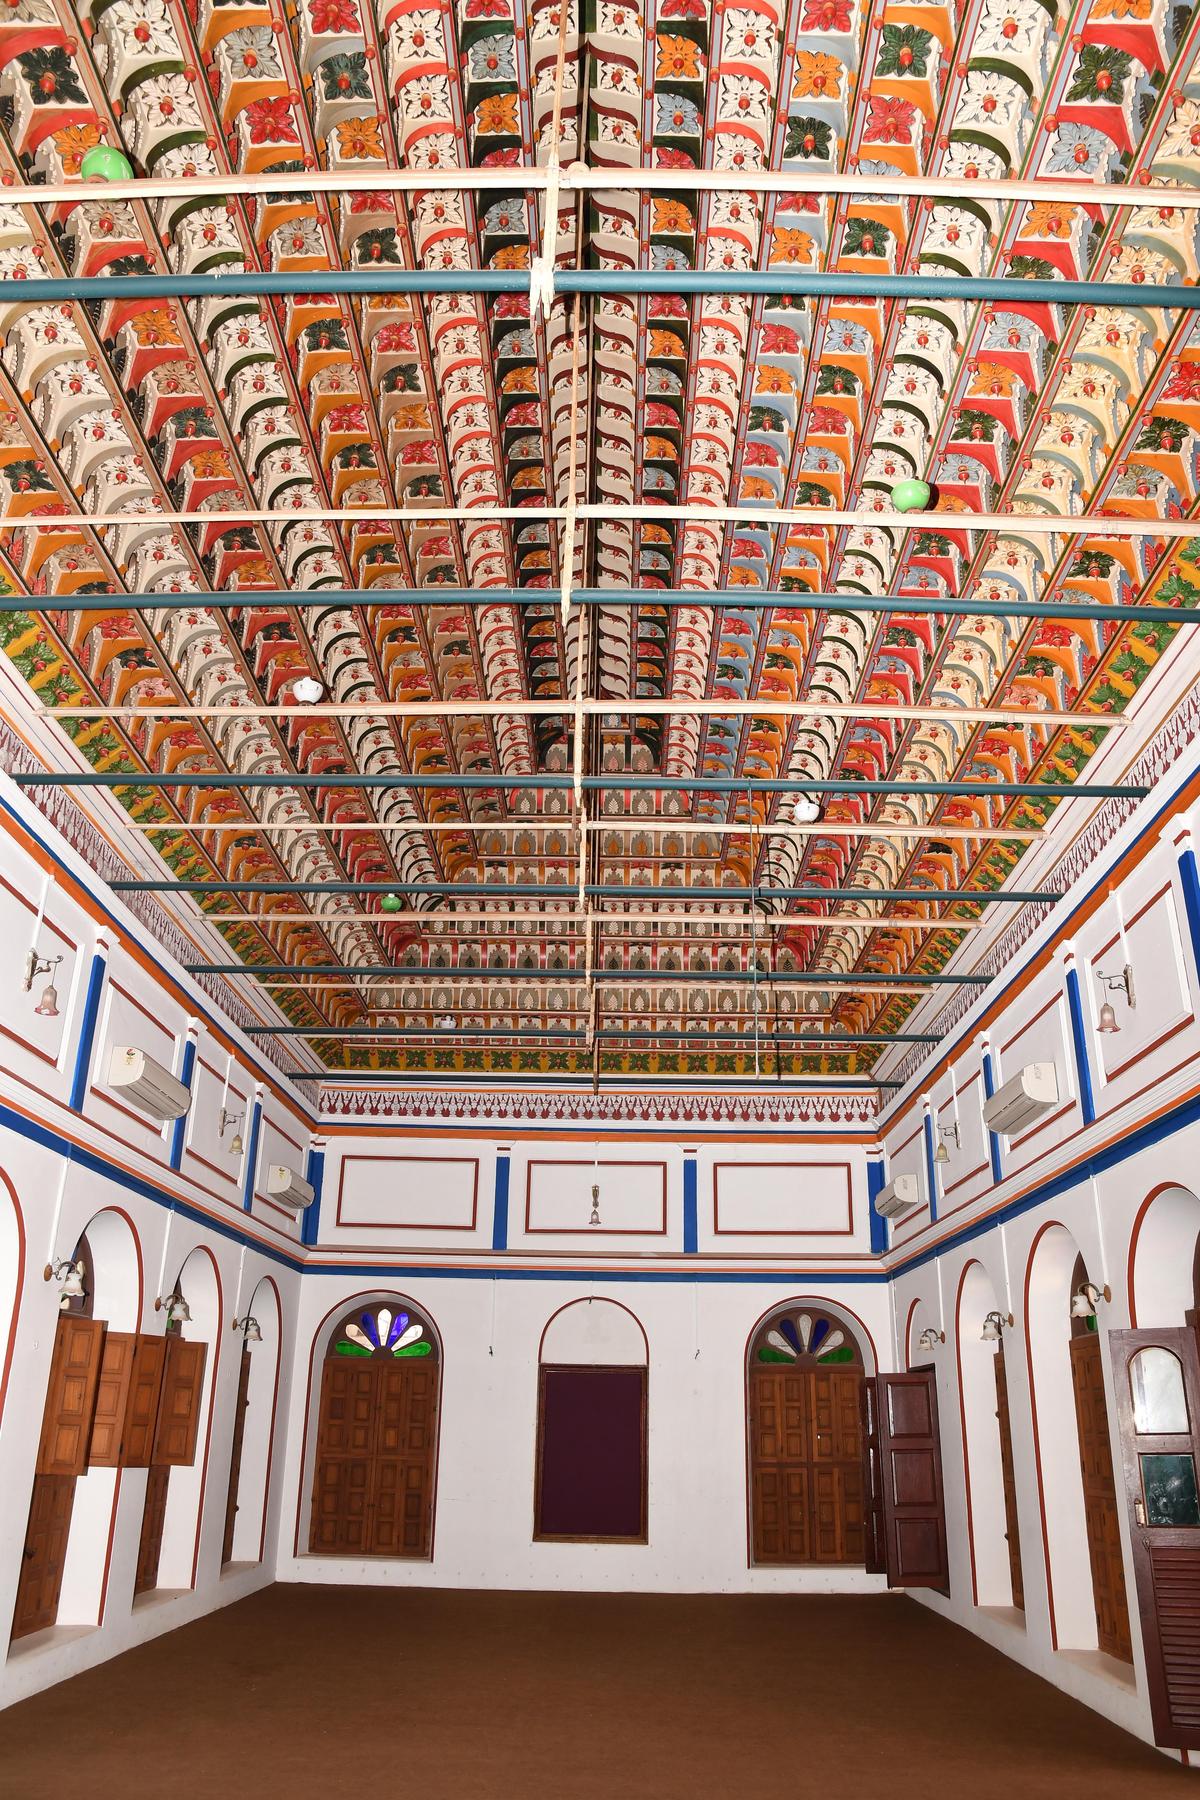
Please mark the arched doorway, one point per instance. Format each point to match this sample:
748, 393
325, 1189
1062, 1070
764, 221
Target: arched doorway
591, 1471
374, 1479
805, 1378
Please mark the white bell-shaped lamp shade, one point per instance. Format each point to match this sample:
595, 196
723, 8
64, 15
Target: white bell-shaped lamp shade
1082, 1305
808, 810
991, 1329
47, 1006
1108, 1018
72, 1286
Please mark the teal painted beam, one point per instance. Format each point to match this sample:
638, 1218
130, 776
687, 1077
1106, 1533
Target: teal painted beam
737, 599
793, 283
527, 890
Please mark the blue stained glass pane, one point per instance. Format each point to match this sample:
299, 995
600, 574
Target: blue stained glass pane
368, 1325
788, 1330
820, 1332
399, 1324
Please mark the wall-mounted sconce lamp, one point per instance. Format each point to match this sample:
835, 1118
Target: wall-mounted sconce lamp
941, 1154
176, 1308
36, 965
1122, 983
995, 1324
235, 1142
930, 1338
250, 1329
1086, 1299
70, 1276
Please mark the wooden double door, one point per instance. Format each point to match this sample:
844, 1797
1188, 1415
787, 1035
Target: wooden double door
806, 1469
376, 1441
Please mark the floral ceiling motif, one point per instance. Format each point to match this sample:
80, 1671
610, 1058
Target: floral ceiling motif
140, 406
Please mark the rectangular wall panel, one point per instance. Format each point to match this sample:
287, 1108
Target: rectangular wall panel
782, 1199
409, 1193
633, 1197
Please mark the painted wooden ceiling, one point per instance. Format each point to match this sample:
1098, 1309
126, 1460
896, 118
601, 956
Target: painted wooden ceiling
316, 401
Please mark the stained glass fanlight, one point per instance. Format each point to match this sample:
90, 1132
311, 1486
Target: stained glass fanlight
382, 1331
804, 1337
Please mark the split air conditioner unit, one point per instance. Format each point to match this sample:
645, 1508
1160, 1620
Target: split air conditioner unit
898, 1198
137, 1077
284, 1185
1023, 1099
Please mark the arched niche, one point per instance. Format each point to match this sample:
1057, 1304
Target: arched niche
591, 1457
594, 1330
987, 1523
915, 1322
199, 1283
12, 1278
254, 1438
111, 1252
1164, 1259
1085, 1573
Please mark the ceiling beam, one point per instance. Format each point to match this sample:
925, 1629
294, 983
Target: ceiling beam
736, 599
482, 890
794, 283
641, 921
577, 178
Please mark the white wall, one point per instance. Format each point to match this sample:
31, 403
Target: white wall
697, 1334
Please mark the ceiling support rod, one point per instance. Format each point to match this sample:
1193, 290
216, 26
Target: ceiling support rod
652, 827
578, 178
794, 283
666, 784
679, 896
735, 599
645, 922
789, 1035
569, 977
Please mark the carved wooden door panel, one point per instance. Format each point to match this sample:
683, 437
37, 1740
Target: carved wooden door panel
345, 1454
154, 1514
780, 1461
1100, 1499
45, 1552
235, 1456
1157, 1380
70, 1396
1011, 1528
836, 1481
402, 1484
908, 1454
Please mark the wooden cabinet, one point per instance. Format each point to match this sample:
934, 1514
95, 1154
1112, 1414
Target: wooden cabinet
806, 1466
1156, 1376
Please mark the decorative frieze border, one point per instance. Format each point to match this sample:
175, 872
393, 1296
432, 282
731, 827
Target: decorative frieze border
580, 1106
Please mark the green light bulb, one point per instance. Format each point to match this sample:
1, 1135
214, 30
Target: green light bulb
911, 495
104, 163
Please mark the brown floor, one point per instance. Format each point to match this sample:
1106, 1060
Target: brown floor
311, 1693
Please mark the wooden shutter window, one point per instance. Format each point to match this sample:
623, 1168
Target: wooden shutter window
70, 1396
112, 1397
141, 1411
178, 1421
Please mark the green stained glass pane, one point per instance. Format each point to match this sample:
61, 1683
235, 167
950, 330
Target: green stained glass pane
345, 1349
1169, 1485
412, 1350
766, 1354
843, 1355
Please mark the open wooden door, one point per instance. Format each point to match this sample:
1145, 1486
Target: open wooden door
1157, 1380
235, 1457
1100, 1498
903, 1473
62, 1455
1012, 1530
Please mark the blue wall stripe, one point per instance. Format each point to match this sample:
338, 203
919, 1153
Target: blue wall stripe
251, 1157
691, 1208
310, 1218
930, 1168
1083, 1069
878, 1225
179, 1128
989, 1088
87, 1030
500, 1202
1189, 877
